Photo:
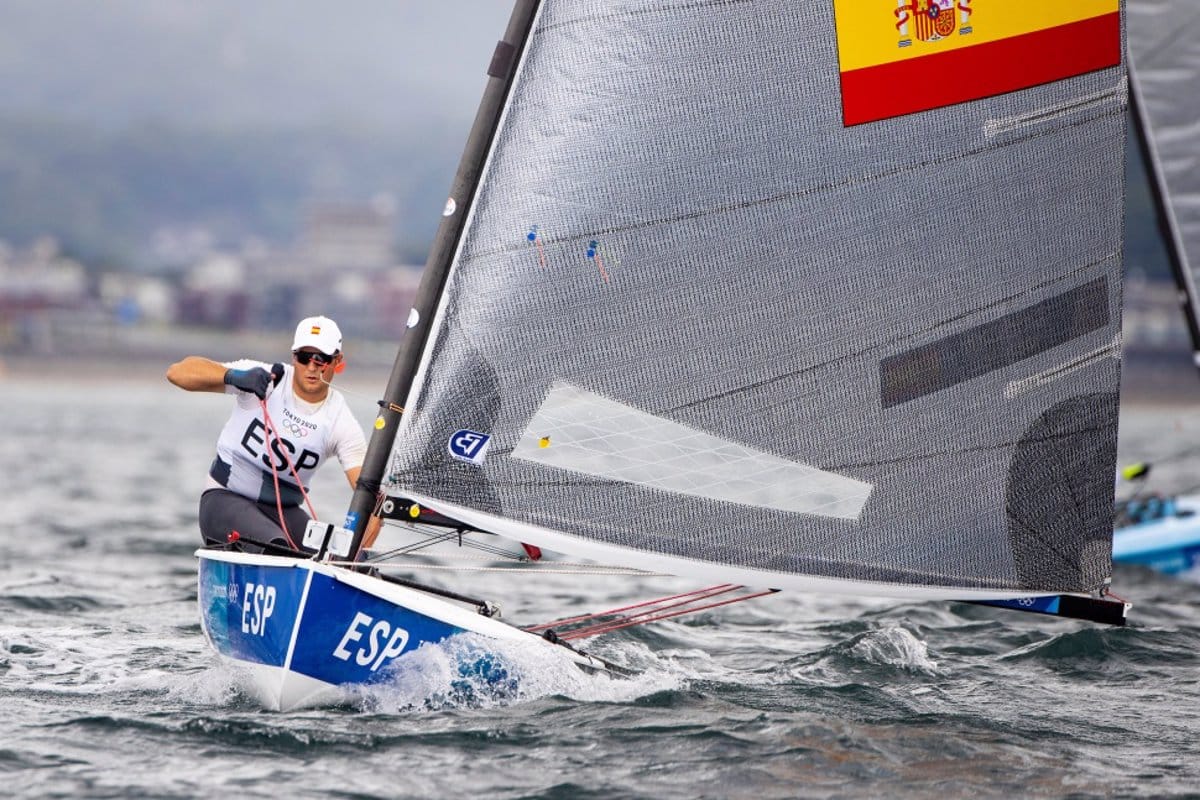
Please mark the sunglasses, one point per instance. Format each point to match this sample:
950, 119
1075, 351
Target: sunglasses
303, 357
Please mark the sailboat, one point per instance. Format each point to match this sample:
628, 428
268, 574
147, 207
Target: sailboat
1154, 530
753, 294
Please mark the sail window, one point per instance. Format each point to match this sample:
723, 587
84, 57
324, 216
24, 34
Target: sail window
579, 431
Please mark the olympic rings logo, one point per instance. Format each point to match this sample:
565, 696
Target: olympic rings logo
295, 428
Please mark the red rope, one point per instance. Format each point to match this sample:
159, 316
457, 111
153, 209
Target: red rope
628, 622
659, 609
272, 431
632, 618
614, 611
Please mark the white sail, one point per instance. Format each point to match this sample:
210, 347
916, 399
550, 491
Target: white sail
1164, 51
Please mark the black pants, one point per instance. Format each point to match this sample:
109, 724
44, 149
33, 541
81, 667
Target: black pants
223, 511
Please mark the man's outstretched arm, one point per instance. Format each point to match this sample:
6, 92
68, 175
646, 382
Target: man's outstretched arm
197, 374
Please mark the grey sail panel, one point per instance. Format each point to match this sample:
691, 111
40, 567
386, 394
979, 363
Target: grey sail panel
700, 318
1164, 47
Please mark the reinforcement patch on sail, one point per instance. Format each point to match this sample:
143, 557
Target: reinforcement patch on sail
1059, 522
993, 345
579, 431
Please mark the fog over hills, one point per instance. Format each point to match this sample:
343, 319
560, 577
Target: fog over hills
125, 117
122, 119
223, 63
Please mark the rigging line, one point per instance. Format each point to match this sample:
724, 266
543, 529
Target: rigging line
610, 612
1186, 490
272, 431
520, 562
1106, 591
381, 403
432, 539
517, 567
442, 536
429, 540
632, 619
576, 635
1176, 456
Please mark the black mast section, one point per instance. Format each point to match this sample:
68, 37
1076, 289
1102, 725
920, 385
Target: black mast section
1188, 299
437, 267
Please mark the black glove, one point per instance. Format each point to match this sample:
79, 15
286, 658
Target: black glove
257, 380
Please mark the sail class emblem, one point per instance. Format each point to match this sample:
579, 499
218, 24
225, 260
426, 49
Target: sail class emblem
469, 446
583, 432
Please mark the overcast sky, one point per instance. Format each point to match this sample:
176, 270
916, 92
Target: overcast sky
229, 63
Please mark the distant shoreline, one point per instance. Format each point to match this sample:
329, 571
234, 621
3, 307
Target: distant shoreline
1166, 380
141, 368
145, 352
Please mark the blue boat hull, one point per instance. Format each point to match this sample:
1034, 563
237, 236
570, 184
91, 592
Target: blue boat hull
303, 630
1169, 543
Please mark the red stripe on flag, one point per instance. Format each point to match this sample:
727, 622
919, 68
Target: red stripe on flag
983, 70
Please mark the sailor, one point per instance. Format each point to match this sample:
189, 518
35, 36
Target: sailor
287, 422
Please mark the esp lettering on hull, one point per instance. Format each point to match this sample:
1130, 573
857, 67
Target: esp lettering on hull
383, 642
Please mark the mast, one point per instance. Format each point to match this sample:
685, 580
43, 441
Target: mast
1189, 299
437, 266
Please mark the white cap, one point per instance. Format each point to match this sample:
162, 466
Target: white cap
319, 332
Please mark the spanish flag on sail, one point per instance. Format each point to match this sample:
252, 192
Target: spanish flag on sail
902, 56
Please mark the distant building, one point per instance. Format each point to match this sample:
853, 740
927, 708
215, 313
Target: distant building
359, 237
39, 288
40, 277
215, 293
394, 296
132, 298
343, 265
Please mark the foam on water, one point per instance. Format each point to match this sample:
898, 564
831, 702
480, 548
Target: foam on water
894, 647
108, 688
472, 672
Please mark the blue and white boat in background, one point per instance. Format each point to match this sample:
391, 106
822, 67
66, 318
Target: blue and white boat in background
698, 308
1162, 531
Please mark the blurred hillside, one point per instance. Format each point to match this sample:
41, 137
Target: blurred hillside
137, 197
168, 168
128, 128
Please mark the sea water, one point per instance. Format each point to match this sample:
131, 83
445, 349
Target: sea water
108, 689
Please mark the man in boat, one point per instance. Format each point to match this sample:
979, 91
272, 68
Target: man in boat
287, 421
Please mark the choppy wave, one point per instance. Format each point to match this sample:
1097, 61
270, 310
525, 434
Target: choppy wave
108, 689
